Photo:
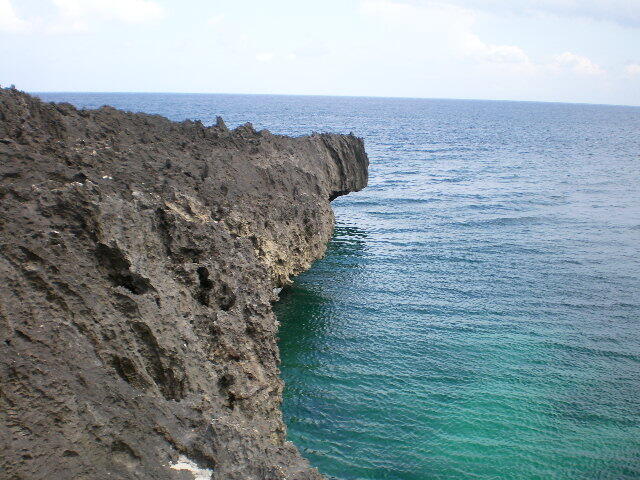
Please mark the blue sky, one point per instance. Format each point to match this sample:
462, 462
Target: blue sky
547, 50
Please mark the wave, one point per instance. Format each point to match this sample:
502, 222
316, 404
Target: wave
505, 221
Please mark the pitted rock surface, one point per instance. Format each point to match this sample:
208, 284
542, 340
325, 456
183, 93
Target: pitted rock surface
138, 261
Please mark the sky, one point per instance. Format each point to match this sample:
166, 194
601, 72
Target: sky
536, 50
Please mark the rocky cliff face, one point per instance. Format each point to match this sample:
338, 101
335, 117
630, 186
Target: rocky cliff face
138, 262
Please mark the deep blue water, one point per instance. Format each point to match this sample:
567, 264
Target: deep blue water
477, 315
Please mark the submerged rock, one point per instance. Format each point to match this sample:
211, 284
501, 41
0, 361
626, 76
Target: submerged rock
138, 261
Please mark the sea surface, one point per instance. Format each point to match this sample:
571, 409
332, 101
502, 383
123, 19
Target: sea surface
477, 315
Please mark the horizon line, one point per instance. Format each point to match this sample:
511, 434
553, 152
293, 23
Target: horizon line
34, 92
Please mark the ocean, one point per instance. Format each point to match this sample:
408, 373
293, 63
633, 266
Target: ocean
477, 315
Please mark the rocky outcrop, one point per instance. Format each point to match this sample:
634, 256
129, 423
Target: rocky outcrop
138, 262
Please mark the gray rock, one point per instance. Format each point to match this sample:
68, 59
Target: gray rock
138, 262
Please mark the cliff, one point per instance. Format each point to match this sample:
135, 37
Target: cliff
138, 262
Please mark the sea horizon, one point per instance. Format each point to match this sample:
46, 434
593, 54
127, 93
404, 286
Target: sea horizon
98, 92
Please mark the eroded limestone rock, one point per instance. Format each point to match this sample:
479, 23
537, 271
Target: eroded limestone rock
138, 261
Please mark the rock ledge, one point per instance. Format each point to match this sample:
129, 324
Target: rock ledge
138, 261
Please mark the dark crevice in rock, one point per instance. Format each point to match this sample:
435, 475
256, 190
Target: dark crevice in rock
156, 363
336, 194
224, 383
205, 285
226, 298
128, 372
164, 230
118, 269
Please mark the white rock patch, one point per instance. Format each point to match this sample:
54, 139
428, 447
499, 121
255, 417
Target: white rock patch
184, 463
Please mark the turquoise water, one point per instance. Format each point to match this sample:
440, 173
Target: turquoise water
477, 315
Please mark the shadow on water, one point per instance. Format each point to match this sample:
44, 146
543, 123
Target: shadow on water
347, 241
306, 308
304, 313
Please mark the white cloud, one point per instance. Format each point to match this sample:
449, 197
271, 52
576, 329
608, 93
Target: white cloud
311, 50
265, 57
449, 25
623, 12
632, 70
392, 10
215, 20
449, 28
76, 15
577, 63
485, 52
9, 20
